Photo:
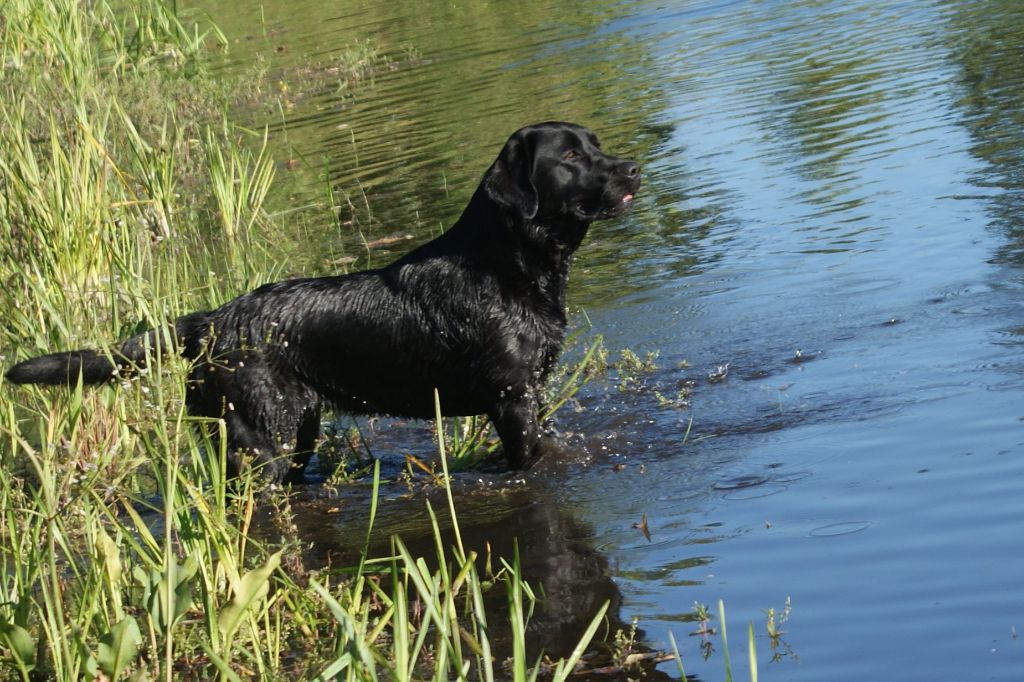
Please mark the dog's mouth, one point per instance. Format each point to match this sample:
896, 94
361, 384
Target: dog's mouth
612, 207
609, 207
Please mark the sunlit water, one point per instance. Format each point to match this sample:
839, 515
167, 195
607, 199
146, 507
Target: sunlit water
832, 207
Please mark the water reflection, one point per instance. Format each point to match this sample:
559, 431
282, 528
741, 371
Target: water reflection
571, 579
403, 152
828, 181
986, 44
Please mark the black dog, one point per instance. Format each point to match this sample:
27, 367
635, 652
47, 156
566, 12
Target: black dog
478, 313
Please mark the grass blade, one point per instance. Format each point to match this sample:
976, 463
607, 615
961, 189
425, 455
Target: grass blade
725, 641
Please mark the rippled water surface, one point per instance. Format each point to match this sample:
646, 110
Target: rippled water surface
833, 207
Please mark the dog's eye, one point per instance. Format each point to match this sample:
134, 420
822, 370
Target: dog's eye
570, 155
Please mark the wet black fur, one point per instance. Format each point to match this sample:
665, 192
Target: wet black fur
478, 313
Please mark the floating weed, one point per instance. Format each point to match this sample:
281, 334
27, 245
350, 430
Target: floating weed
773, 625
681, 399
631, 368
701, 613
629, 361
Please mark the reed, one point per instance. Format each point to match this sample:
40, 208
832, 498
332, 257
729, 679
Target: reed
127, 199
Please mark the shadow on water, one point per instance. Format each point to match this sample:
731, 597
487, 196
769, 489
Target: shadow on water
499, 517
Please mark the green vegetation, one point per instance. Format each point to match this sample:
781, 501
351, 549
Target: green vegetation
127, 198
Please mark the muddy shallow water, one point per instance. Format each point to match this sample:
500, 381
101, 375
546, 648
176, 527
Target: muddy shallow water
833, 207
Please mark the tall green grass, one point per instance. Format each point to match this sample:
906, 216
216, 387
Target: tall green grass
99, 580
126, 199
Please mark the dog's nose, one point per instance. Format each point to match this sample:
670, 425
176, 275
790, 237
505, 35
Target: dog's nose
630, 169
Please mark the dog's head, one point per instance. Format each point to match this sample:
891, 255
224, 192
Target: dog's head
556, 172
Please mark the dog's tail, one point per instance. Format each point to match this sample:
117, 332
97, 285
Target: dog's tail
97, 367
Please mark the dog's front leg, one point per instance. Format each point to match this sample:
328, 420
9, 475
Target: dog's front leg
516, 424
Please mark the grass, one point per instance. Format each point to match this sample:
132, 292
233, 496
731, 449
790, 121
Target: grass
127, 198
91, 587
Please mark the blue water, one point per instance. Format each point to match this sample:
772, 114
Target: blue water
834, 207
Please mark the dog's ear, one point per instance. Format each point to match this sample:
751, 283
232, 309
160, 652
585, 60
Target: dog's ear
508, 181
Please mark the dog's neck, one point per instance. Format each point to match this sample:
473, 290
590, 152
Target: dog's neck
537, 253
548, 243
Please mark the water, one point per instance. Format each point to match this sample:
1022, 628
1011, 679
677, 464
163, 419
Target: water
833, 206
